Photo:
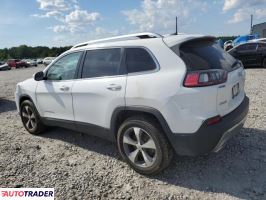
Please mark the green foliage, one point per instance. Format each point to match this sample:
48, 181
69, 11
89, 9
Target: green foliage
25, 51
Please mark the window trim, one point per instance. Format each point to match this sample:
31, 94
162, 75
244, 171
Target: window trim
122, 63
58, 58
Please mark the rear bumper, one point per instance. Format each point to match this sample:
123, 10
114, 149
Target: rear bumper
213, 137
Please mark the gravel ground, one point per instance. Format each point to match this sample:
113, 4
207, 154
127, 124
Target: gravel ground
84, 167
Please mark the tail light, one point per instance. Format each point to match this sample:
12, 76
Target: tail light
205, 78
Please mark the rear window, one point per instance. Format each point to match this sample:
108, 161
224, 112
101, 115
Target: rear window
205, 55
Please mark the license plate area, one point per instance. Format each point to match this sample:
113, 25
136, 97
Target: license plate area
235, 90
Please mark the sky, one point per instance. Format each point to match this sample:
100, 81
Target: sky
68, 22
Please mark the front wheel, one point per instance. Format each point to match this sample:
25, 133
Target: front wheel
143, 146
30, 118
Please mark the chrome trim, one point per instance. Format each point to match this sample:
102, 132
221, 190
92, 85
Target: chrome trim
221, 142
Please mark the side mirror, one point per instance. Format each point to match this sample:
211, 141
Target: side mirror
39, 76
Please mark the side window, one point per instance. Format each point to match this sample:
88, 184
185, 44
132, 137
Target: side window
64, 68
262, 46
102, 62
139, 60
251, 46
242, 47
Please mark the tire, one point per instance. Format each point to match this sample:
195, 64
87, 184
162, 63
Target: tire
157, 151
30, 118
264, 63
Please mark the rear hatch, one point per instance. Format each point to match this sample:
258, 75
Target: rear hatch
204, 57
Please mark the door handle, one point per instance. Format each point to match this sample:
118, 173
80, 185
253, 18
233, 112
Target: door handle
114, 87
64, 88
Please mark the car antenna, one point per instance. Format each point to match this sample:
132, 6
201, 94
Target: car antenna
176, 32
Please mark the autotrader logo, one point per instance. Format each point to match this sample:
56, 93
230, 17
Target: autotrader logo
26, 193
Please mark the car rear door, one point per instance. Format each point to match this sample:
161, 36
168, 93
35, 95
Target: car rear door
248, 54
54, 99
261, 50
99, 90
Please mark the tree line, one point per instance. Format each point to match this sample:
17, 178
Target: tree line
25, 51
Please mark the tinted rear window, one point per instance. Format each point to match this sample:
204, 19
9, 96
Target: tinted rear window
139, 60
204, 55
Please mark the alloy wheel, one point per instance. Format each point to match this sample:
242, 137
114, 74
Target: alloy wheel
28, 118
139, 147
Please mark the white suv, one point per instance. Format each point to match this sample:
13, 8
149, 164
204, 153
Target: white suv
151, 94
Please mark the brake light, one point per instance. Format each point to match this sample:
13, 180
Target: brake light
205, 78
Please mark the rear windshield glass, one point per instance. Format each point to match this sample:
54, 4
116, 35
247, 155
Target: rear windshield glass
204, 55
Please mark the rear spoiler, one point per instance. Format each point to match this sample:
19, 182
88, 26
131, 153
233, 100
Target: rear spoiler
176, 41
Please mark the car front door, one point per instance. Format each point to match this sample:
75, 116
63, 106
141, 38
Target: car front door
99, 90
54, 99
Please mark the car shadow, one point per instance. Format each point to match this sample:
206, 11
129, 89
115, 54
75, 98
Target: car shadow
85, 141
237, 170
7, 105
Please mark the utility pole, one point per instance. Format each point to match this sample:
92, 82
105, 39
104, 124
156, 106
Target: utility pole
176, 30
251, 23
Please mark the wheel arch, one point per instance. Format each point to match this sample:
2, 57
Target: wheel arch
24, 98
120, 114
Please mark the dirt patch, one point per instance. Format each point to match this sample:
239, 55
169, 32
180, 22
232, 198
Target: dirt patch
79, 166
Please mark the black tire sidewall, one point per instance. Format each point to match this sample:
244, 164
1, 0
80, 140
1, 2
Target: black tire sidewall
39, 125
153, 131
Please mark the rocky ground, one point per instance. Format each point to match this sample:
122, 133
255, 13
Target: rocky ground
84, 167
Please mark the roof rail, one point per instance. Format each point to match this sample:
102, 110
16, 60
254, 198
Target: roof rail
145, 35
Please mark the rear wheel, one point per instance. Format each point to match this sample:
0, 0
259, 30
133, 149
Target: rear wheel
143, 146
30, 118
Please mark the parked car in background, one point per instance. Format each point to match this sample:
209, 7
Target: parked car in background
39, 61
16, 63
250, 53
31, 62
4, 66
48, 60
